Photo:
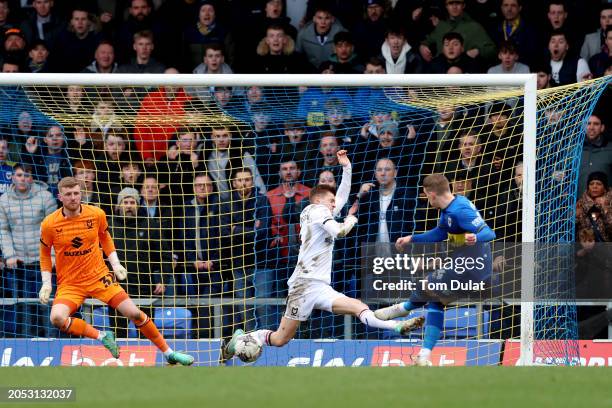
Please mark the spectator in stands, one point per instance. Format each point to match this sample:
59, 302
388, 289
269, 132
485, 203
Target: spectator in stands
315, 39
139, 246
596, 152
246, 218
150, 197
104, 60
516, 29
23, 129
544, 77
22, 210
6, 167
38, 57
44, 24
248, 35
130, 176
73, 101
276, 54
594, 43
50, 162
370, 32
202, 240
386, 209
398, 55
76, 45
473, 161
594, 208
508, 56
454, 55
165, 106
143, 62
601, 61
565, 69
206, 29
108, 162
79, 143
388, 144
223, 154
10, 66
344, 60
85, 172
311, 106
15, 47
326, 159
213, 61
103, 118
502, 138
557, 20
177, 167
294, 145
139, 19
284, 237
477, 41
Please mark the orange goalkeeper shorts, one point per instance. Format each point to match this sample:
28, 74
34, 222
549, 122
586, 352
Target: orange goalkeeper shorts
105, 289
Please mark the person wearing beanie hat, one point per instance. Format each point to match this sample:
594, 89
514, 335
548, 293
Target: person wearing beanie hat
598, 176
128, 192
594, 208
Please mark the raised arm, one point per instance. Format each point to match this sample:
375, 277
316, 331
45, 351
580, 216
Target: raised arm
342, 194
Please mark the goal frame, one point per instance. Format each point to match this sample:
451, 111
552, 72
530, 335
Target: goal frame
528, 82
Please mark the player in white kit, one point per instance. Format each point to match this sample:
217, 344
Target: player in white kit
309, 285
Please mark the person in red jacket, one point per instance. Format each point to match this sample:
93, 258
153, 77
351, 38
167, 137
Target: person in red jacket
159, 117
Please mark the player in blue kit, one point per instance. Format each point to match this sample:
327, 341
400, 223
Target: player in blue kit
463, 227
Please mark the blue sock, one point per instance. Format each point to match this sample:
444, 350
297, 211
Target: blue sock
408, 305
434, 322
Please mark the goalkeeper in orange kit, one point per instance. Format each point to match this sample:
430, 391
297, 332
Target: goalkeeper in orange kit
76, 231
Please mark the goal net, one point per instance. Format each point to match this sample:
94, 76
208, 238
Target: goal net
203, 180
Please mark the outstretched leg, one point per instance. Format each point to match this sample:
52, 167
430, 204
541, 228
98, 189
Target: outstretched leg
60, 318
346, 305
285, 332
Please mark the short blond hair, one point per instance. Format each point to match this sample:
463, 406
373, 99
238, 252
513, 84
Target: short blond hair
436, 183
68, 182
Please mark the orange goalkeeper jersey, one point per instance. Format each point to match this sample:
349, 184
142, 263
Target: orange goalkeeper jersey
78, 257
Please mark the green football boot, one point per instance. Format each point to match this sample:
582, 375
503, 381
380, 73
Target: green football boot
229, 349
110, 344
180, 358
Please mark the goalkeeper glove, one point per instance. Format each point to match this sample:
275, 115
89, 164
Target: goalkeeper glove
118, 269
45, 291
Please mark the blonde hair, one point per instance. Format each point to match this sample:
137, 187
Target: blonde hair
68, 182
436, 183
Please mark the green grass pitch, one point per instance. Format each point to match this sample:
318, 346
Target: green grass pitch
184, 387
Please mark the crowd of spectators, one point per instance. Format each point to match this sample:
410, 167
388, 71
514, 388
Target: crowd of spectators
204, 209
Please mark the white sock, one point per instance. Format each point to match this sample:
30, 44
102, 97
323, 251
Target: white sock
101, 335
425, 353
367, 317
168, 352
263, 336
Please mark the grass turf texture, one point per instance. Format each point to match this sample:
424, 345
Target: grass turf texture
183, 387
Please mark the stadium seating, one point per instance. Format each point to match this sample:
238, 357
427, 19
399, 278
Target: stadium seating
173, 322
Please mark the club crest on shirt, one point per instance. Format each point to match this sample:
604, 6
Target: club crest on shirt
449, 220
89, 224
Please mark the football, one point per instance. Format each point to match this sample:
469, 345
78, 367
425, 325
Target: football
248, 348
